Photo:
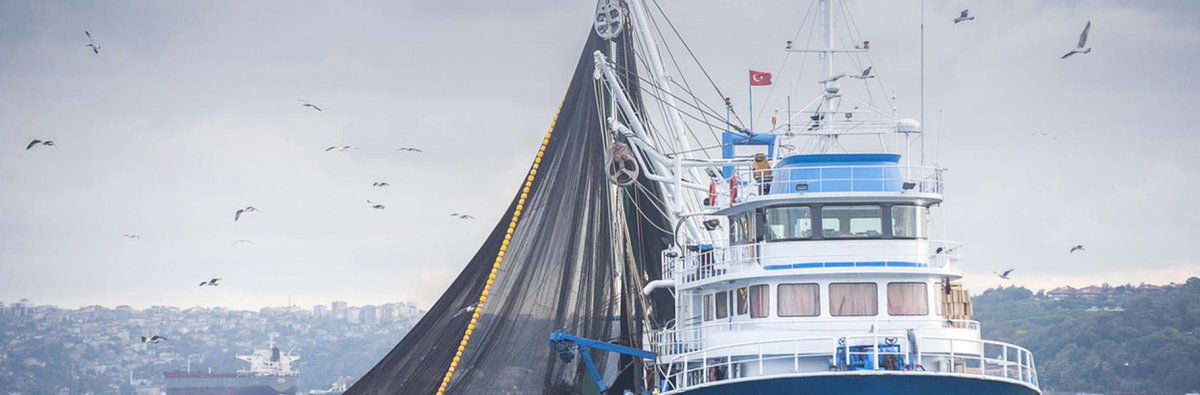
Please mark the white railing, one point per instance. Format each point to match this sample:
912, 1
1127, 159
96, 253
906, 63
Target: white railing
845, 355
719, 363
695, 266
836, 179
981, 357
672, 341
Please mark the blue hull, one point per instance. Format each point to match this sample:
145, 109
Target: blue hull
895, 384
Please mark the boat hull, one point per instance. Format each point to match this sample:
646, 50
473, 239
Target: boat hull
179, 383
895, 384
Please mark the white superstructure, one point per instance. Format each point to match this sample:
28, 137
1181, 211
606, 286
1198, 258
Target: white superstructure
816, 262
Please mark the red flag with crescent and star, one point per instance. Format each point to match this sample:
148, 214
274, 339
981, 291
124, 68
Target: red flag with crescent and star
759, 78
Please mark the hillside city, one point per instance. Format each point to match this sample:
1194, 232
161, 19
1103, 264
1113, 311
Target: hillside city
98, 350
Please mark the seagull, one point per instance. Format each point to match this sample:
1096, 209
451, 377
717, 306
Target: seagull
242, 241
1005, 274
36, 142
212, 282
1082, 42
305, 103
343, 148
963, 17
380, 184
866, 74
376, 206
466, 310
832, 79
462, 216
409, 149
248, 209
153, 340
1044, 134
1077, 247
92, 43
131, 236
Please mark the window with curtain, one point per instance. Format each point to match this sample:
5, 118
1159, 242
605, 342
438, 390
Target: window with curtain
789, 223
799, 300
853, 299
743, 301
722, 304
708, 308
760, 301
908, 222
908, 299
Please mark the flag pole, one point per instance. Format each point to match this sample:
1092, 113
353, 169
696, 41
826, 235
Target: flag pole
751, 102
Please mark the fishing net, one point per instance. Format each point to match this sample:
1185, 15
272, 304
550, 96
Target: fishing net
580, 252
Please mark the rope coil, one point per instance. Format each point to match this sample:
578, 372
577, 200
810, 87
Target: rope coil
512, 226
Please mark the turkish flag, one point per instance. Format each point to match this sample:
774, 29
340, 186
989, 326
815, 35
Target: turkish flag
759, 78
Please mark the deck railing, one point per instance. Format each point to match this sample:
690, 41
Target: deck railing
672, 341
764, 359
837, 179
716, 262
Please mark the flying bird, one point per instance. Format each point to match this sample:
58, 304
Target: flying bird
153, 340
242, 241
92, 43
1077, 247
248, 209
1082, 42
343, 148
1005, 274
376, 206
462, 216
1044, 134
305, 103
131, 236
832, 79
380, 184
866, 74
409, 149
36, 142
963, 17
212, 282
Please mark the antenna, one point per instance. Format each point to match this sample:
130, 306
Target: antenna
923, 82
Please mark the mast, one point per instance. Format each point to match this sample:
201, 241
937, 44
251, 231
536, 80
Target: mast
825, 112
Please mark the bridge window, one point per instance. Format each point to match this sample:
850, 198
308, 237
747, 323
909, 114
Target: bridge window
741, 230
799, 300
908, 222
908, 299
722, 304
760, 301
708, 307
789, 223
853, 299
852, 222
743, 301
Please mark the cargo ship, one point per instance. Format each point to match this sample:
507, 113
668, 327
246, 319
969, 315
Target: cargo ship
270, 373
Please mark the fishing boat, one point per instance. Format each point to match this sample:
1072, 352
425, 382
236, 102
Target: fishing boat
796, 260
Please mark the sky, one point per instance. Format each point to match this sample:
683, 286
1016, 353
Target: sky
190, 111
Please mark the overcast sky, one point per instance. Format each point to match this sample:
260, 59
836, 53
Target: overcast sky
190, 112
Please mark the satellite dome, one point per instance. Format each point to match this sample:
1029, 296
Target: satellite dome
908, 125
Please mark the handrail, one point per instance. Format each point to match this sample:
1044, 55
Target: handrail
671, 341
742, 360
1002, 365
701, 265
837, 179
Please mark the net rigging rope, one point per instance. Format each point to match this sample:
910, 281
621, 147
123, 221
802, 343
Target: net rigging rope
512, 226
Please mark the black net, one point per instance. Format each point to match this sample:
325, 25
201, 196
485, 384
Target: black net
580, 252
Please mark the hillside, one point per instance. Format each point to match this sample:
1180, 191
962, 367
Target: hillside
1151, 346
